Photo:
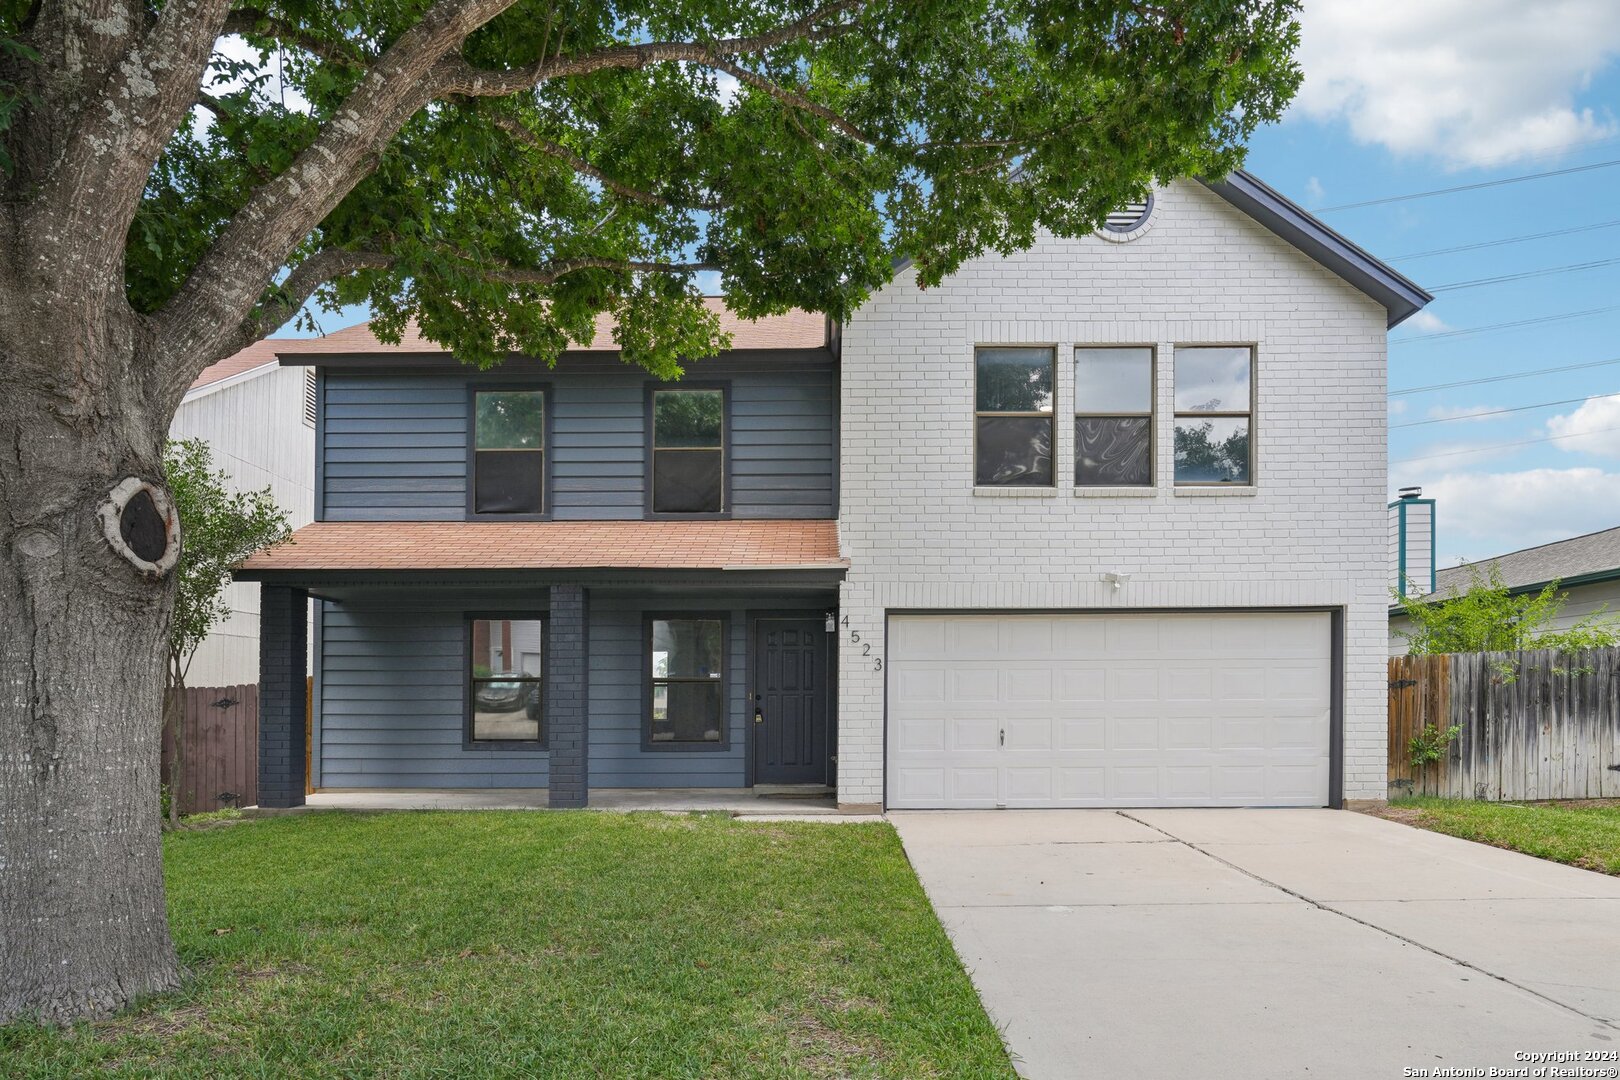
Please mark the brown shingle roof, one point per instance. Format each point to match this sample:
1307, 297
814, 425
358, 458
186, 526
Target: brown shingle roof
793, 330
259, 354
551, 545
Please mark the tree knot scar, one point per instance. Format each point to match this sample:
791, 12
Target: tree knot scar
38, 544
141, 525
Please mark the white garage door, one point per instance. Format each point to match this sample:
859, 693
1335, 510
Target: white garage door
1179, 709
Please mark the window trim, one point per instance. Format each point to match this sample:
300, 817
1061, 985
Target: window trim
644, 658
474, 388
1251, 415
543, 743
726, 508
1152, 415
1051, 415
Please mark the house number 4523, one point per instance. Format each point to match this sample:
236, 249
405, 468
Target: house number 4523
865, 646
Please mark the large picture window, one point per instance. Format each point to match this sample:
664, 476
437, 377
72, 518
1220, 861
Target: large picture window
1113, 417
506, 668
688, 451
509, 451
686, 679
1214, 395
1012, 438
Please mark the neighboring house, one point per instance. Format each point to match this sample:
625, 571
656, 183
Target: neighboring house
1587, 569
258, 419
1095, 524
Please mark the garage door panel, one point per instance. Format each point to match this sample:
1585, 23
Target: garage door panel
1109, 710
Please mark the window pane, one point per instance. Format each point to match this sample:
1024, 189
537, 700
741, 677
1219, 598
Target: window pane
1212, 379
506, 709
687, 481
686, 649
1014, 380
687, 712
510, 420
507, 647
1014, 450
688, 417
1113, 380
1111, 450
1212, 451
508, 481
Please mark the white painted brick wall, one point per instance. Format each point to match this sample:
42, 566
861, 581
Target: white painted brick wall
1313, 533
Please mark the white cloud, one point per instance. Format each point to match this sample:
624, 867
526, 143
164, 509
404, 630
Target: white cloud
1593, 428
1465, 413
1314, 191
1427, 322
273, 89
1473, 82
1397, 407
1482, 514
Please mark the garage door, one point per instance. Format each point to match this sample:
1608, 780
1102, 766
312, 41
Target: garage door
1180, 709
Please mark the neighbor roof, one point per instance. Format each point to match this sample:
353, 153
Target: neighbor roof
795, 329
1578, 560
259, 354
550, 545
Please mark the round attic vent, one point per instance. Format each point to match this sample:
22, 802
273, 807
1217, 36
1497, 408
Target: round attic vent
1129, 217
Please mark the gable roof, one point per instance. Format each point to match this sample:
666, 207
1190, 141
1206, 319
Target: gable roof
1401, 296
1578, 560
794, 329
259, 354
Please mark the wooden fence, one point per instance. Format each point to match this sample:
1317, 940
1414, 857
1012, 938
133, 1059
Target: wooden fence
222, 748
1535, 725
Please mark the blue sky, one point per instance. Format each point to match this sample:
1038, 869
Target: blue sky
1405, 96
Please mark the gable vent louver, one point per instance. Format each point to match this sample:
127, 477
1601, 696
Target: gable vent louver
1128, 217
309, 396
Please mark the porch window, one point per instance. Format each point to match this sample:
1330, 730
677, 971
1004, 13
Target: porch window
1012, 433
509, 451
1214, 405
506, 669
686, 704
688, 451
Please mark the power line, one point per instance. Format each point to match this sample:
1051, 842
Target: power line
1504, 446
1502, 279
1499, 412
1502, 378
1417, 338
1520, 179
1508, 240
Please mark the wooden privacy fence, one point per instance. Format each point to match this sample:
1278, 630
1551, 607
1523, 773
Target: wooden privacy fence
1535, 725
221, 740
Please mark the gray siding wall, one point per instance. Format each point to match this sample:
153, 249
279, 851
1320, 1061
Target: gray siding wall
390, 711
395, 442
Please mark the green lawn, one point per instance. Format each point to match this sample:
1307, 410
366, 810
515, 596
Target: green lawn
542, 944
1582, 835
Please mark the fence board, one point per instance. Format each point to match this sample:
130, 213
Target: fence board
221, 740
1534, 725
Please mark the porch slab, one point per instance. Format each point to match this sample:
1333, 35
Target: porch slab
736, 801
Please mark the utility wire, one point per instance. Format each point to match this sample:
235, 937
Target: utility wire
1502, 378
1499, 412
1502, 279
1504, 446
1418, 338
1522, 178
1507, 240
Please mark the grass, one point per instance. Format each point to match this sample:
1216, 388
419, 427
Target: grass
541, 944
1581, 834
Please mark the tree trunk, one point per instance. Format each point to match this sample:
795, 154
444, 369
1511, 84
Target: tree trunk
87, 542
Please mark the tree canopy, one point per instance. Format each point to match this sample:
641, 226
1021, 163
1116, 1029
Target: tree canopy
1488, 616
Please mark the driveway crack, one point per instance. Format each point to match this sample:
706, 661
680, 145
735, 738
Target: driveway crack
1459, 961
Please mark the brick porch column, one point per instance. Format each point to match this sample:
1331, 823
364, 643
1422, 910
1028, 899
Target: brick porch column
283, 643
567, 643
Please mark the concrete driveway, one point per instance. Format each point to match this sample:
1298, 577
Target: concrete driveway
1269, 943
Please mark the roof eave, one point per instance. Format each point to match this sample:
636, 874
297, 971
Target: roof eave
1401, 296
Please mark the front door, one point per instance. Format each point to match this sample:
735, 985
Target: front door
790, 701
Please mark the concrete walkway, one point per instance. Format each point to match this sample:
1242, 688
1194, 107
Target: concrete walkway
787, 804
1268, 943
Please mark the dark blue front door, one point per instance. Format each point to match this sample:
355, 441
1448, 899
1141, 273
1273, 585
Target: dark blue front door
790, 701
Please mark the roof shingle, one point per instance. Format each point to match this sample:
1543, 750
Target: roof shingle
1594, 553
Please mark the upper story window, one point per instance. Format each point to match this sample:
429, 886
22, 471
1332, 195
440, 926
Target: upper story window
506, 669
1113, 417
1214, 407
509, 451
688, 451
1012, 438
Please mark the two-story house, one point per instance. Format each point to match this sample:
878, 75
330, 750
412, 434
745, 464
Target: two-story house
1097, 524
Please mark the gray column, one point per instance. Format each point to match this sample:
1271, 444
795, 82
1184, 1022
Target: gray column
567, 723
283, 642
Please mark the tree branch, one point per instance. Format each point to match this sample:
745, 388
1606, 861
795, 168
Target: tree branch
551, 272
791, 98
515, 128
255, 22
284, 300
